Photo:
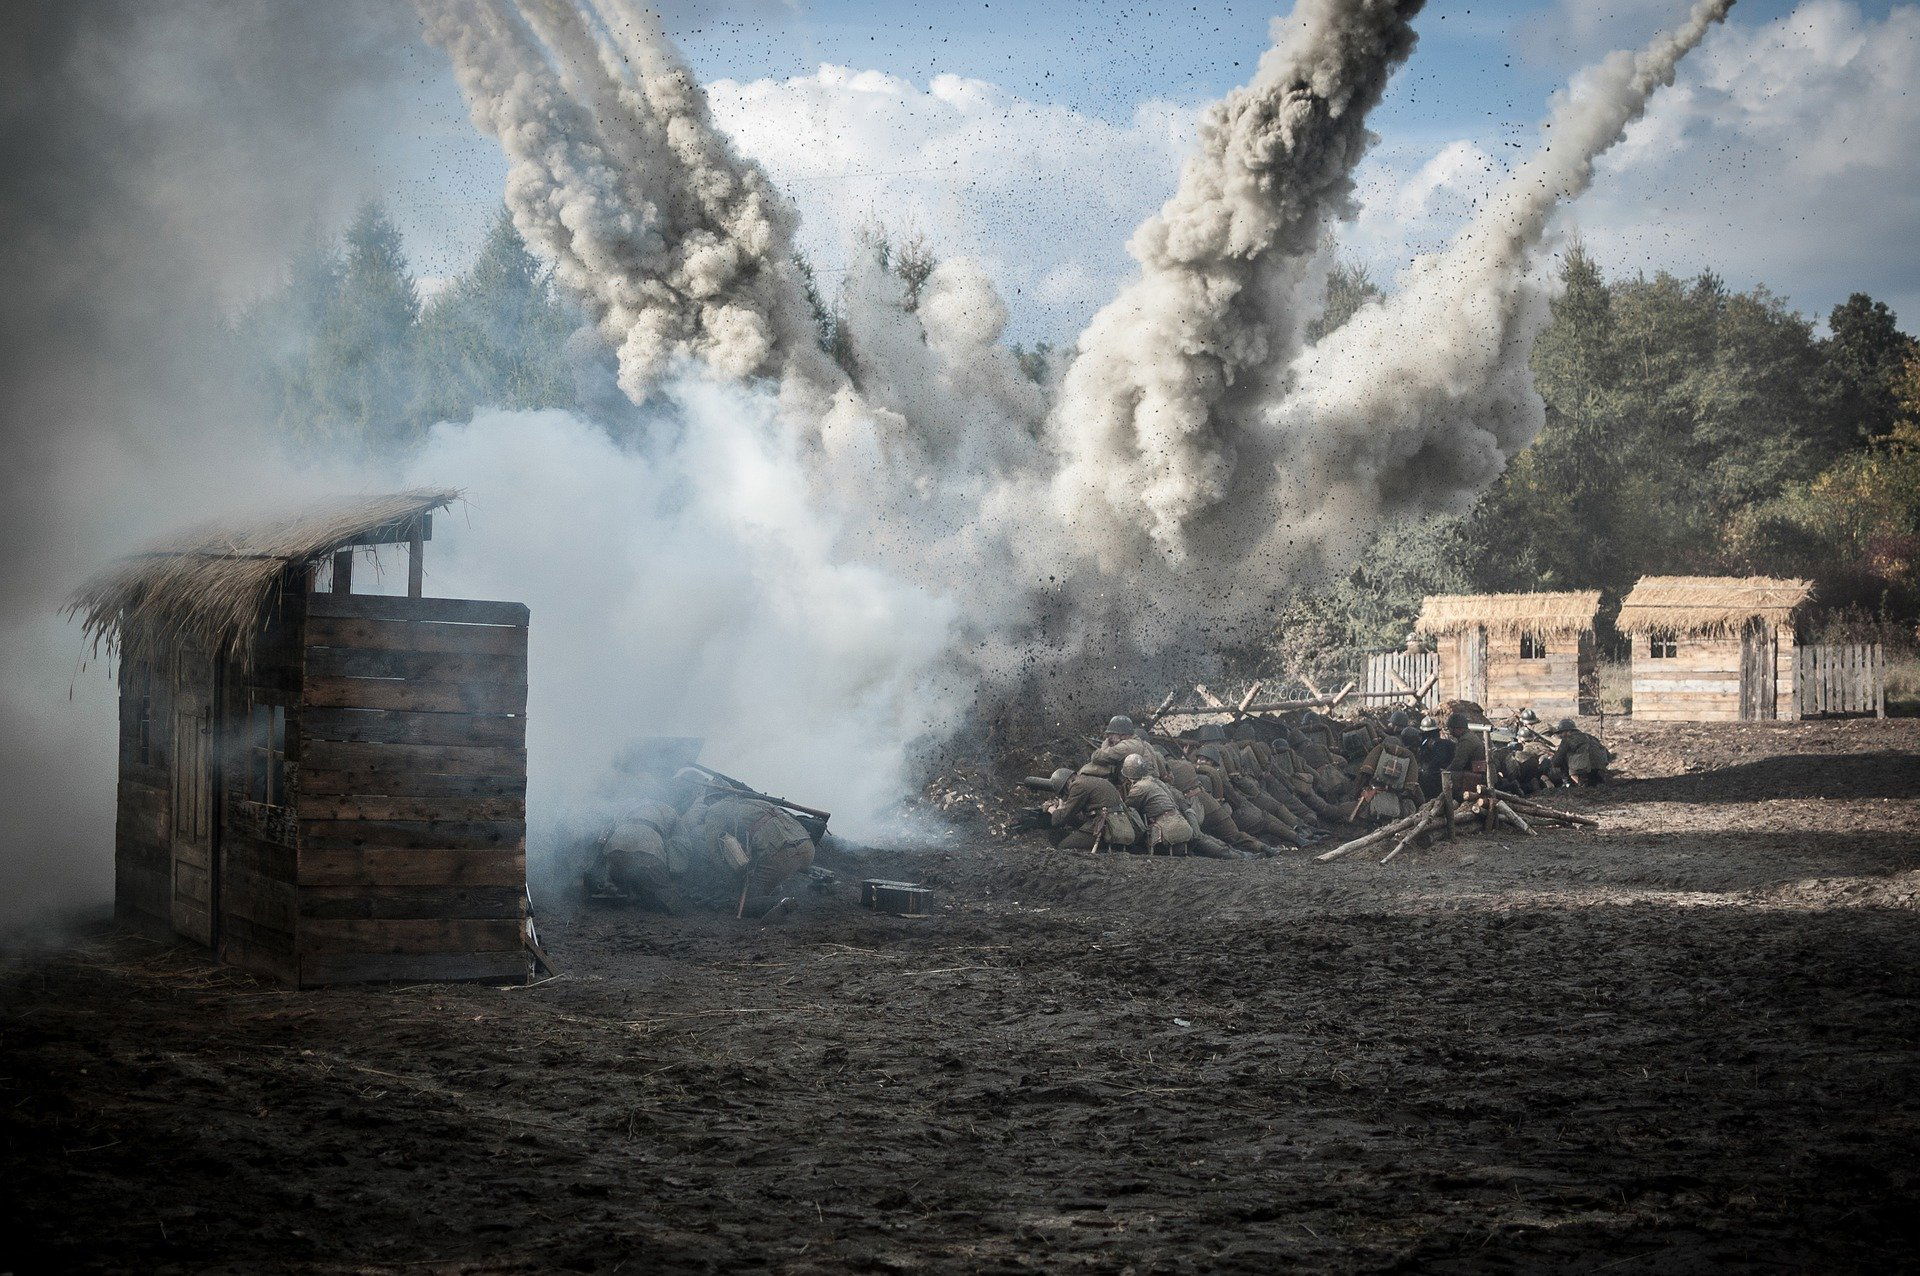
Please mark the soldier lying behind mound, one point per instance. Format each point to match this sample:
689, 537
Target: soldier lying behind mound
735, 851
630, 857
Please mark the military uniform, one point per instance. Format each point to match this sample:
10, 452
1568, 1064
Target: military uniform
737, 851
1468, 766
1160, 809
631, 855
1092, 810
1393, 773
1581, 757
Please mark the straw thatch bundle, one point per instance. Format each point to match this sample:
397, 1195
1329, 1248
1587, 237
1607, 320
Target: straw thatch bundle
1511, 615
209, 588
1710, 605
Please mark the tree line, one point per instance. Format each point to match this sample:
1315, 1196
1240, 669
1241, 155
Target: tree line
1689, 428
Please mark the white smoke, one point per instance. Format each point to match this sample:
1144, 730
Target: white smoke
681, 250
840, 562
1421, 399
1226, 266
689, 588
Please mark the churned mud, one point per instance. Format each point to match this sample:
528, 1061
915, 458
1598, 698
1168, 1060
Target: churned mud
1685, 1041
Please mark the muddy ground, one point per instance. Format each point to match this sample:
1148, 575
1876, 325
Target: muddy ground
1687, 1041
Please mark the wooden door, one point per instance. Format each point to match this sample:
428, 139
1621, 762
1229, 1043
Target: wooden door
1758, 657
192, 803
1473, 665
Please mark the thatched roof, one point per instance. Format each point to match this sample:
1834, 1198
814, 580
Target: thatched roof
208, 587
1510, 615
1716, 605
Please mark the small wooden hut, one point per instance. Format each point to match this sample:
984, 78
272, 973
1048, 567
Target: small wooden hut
1515, 651
1714, 648
322, 787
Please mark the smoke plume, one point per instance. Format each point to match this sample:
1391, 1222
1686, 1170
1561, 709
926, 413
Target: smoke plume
1421, 399
1143, 421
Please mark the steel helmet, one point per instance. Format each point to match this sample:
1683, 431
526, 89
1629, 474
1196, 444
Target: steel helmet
1120, 724
1134, 767
1211, 733
1566, 724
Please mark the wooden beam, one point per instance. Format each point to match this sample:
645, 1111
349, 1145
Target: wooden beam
416, 562
1247, 699
1213, 701
343, 571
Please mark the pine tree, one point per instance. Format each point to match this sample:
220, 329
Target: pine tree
365, 345
496, 337
1865, 354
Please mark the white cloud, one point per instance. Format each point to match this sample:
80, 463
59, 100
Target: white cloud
1043, 196
1785, 154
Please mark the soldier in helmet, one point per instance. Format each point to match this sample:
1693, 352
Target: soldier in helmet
1216, 835
1091, 812
1124, 735
630, 855
1435, 752
1467, 770
736, 850
1390, 781
1159, 807
1580, 758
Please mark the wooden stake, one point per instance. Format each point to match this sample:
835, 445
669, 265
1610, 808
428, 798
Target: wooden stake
1409, 839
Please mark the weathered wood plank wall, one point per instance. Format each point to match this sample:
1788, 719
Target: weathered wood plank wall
411, 793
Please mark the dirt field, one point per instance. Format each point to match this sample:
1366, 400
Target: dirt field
1687, 1041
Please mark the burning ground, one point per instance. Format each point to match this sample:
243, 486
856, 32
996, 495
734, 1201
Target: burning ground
1686, 1039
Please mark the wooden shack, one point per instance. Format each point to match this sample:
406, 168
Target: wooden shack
321, 787
1714, 648
1515, 651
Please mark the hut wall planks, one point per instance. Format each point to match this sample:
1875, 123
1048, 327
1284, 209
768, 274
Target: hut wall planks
411, 802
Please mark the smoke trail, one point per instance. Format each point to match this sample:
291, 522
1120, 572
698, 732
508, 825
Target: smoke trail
1422, 398
1223, 265
682, 251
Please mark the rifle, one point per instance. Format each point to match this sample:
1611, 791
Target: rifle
812, 818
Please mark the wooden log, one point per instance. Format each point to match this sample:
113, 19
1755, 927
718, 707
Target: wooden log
416, 902
436, 835
1507, 813
416, 784
1148, 723
384, 726
1535, 808
367, 806
416, 666
397, 635
320, 935
1378, 835
385, 866
337, 755
378, 693
1412, 835
456, 611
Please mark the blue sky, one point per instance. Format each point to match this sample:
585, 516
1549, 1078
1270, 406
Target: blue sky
1718, 180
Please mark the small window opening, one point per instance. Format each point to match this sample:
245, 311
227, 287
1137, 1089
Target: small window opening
1663, 647
1533, 647
267, 755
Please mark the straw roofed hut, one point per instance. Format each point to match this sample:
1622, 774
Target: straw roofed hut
1714, 648
1515, 651
322, 786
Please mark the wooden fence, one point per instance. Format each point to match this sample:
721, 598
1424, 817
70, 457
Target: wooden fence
1395, 675
1841, 678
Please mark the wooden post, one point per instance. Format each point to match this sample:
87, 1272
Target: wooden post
343, 571
1879, 681
416, 561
